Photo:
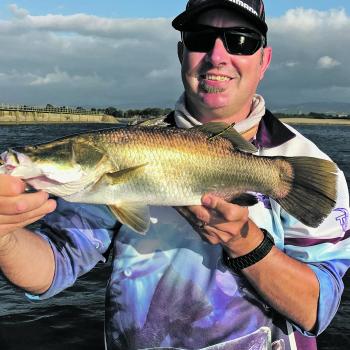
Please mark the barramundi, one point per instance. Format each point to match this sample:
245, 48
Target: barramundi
134, 167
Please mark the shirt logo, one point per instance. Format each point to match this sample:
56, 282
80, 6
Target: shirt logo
342, 217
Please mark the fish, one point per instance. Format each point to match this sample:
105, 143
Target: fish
134, 167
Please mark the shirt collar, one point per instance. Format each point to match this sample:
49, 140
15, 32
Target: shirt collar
271, 132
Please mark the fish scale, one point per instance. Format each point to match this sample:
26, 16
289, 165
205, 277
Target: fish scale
184, 164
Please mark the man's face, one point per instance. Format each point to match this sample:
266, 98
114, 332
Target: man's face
219, 85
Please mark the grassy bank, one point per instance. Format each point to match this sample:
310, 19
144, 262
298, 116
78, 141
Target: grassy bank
314, 121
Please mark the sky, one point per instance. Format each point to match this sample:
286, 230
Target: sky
123, 53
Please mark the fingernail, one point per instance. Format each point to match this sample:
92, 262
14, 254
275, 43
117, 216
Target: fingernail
206, 200
52, 206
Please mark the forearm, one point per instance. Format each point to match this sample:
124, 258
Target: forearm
27, 260
287, 285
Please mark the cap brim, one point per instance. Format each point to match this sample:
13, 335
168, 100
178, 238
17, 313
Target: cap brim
185, 18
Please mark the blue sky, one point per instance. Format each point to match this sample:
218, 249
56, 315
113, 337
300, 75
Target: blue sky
149, 8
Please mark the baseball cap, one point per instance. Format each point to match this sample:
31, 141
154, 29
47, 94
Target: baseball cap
253, 10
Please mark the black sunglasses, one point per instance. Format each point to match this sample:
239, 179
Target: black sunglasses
237, 40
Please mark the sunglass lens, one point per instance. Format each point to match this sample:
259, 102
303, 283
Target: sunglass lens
201, 41
241, 44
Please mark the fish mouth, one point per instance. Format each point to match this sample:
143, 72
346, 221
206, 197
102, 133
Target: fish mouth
9, 167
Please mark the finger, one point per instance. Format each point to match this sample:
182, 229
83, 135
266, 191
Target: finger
229, 211
11, 186
200, 212
13, 227
224, 237
210, 236
233, 228
46, 208
22, 203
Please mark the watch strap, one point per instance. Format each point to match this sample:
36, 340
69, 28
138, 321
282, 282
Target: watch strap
241, 262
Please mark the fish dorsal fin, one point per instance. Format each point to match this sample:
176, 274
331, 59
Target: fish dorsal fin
135, 215
158, 121
219, 129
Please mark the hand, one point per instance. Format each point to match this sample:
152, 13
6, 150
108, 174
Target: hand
19, 209
227, 224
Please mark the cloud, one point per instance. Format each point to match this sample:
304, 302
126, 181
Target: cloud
291, 64
18, 12
306, 42
327, 62
60, 77
88, 60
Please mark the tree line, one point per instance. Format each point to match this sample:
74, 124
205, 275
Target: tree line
143, 113
313, 115
118, 113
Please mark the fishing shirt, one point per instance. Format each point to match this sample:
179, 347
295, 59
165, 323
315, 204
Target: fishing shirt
169, 288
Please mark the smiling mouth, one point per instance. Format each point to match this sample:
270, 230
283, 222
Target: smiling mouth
214, 77
213, 83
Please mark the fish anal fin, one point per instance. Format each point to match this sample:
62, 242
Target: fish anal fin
219, 129
134, 215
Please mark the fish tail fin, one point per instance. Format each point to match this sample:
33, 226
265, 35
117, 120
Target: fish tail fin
312, 189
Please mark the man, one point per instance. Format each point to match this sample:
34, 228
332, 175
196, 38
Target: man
251, 278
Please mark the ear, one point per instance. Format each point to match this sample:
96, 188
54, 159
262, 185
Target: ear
265, 61
180, 51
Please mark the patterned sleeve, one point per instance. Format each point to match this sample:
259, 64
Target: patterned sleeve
79, 235
326, 250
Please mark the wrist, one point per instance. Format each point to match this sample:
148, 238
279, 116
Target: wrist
247, 242
251, 258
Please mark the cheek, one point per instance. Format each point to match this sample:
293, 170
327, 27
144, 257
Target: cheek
192, 63
250, 70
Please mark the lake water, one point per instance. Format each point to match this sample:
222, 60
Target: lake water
73, 320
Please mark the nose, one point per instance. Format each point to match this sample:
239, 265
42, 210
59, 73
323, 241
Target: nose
218, 54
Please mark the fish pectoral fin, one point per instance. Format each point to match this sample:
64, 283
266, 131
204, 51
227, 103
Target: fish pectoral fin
227, 131
135, 215
123, 175
245, 200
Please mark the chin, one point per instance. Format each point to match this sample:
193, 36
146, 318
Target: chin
214, 101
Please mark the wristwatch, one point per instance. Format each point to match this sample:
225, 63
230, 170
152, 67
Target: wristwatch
241, 262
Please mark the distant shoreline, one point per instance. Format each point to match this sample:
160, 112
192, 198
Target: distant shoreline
111, 120
313, 121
